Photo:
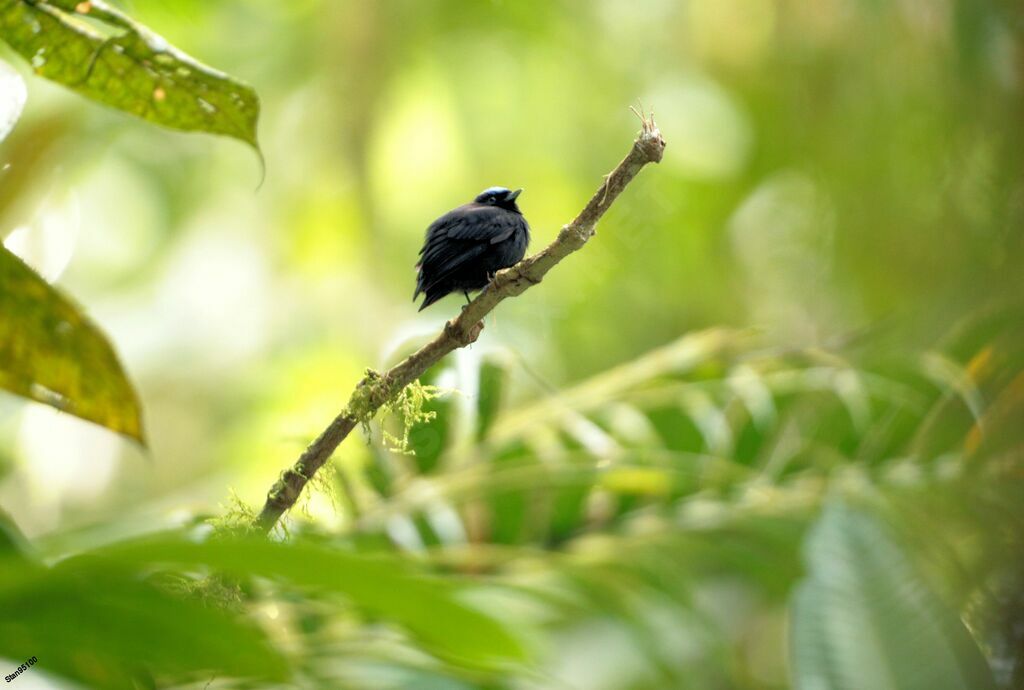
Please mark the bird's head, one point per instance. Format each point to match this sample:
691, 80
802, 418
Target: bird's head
499, 196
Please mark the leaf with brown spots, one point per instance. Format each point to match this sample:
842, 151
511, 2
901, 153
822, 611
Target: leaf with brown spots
52, 353
102, 54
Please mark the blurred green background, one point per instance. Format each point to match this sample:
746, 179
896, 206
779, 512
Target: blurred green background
814, 299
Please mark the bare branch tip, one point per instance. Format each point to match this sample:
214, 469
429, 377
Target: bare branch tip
647, 124
650, 136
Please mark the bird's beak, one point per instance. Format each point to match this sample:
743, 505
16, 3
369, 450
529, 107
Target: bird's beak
511, 196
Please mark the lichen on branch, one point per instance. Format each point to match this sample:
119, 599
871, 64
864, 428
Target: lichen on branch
407, 406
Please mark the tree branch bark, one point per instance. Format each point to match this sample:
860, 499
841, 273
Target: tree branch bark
376, 390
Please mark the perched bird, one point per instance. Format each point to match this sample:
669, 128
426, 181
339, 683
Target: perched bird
465, 247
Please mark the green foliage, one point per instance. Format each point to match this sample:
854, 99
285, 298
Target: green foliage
865, 618
114, 600
99, 52
383, 587
102, 624
579, 514
705, 461
52, 353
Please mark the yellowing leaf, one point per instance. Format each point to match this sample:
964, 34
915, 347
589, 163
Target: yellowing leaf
642, 481
52, 353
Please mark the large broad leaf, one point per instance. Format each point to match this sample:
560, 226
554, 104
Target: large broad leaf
865, 619
50, 352
101, 624
385, 587
102, 54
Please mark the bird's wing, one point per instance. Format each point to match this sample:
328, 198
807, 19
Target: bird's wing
459, 237
447, 260
485, 224
470, 222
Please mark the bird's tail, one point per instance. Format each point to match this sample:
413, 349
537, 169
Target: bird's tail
430, 299
419, 283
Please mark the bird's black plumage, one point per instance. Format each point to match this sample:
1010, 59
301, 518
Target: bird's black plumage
466, 246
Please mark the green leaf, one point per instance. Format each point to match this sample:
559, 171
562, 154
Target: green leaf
101, 624
100, 53
386, 587
865, 619
52, 353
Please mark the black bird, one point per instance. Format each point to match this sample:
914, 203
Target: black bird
465, 247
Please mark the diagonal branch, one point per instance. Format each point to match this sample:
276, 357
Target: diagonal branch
376, 389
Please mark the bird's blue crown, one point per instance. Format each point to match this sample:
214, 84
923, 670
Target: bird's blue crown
497, 195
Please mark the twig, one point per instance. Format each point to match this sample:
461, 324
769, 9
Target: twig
376, 389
